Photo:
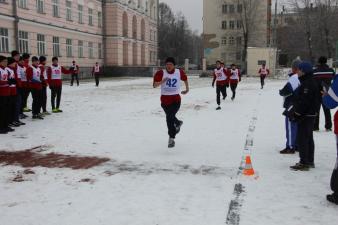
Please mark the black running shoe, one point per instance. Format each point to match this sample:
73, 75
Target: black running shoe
171, 143
37, 117
332, 198
287, 151
218, 108
178, 127
10, 129
300, 167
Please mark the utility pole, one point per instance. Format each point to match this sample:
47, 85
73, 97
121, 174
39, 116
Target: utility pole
16, 24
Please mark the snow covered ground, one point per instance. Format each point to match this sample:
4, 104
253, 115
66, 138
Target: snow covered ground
144, 183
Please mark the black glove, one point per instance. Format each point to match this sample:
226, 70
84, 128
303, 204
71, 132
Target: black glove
11, 81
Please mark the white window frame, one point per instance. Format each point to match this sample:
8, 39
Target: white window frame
23, 41
40, 6
80, 13
69, 47
69, 11
99, 19
4, 40
80, 49
22, 4
90, 50
90, 17
41, 44
56, 8
56, 46
99, 53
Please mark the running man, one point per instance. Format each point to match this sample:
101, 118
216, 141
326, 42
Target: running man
221, 79
263, 72
235, 78
170, 81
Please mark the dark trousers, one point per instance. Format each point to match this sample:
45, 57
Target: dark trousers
37, 99
76, 77
233, 88
12, 108
327, 113
334, 177
25, 94
172, 121
97, 79
263, 81
4, 112
44, 99
305, 142
56, 94
220, 89
18, 107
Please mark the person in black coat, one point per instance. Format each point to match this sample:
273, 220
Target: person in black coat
323, 75
304, 113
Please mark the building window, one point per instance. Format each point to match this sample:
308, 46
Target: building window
224, 40
80, 13
80, 49
69, 10
231, 40
90, 17
99, 19
69, 48
41, 44
40, 6
239, 24
23, 4
224, 25
239, 41
231, 8
90, 50
56, 46
55, 4
232, 25
100, 51
240, 8
23, 41
4, 44
225, 9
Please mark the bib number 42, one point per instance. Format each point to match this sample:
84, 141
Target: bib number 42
171, 83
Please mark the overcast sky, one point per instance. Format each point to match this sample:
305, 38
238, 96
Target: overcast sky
192, 9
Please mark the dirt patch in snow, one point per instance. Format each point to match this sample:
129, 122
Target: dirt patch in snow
34, 158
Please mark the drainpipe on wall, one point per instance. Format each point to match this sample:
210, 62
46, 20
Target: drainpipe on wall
104, 33
16, 24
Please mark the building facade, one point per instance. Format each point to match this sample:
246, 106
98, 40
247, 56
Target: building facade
115, 33
223, 23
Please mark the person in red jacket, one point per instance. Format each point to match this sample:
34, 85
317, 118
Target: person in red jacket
234, 79
13, 82
25, 84
263, 73
75, 73
221, 78
54, 74
96, 71
35, 83
4, 97
21, 74
169, 80
44, 79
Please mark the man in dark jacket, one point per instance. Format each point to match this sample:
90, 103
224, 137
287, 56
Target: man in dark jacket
304, 113
323, 75
330, 100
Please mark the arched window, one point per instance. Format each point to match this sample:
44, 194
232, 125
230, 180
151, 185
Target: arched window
143, 30
134, 27
125, 25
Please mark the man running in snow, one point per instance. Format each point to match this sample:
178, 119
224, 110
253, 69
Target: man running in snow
330, 100
235, 78
288, 93
169, 80
263, 73
221, 78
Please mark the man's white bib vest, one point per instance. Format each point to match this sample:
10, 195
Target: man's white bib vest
56, 72
220, 75
36, 75
11, 75
3, 77
21, 71
264, 71
234, 74
97, 69
173, 85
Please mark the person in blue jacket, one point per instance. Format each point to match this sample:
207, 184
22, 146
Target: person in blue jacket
330, 100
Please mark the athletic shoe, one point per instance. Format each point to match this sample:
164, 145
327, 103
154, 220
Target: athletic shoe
171, 143
37, 117
3, 131
328, 129
59, 110
55, 111
21, 123
27, 110
224, 97
178, 127
17, 123
46, 113
316, 129
23, 116
232, 98
300, 167
332, 198
287, 151
10, 129
13, 124
218, 108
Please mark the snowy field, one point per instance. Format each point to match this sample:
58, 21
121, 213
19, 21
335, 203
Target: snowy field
145, 183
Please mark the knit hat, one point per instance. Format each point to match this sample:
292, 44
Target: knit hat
170, 60
10, 60
305, 67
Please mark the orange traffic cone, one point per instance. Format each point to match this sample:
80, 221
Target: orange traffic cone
248, 170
